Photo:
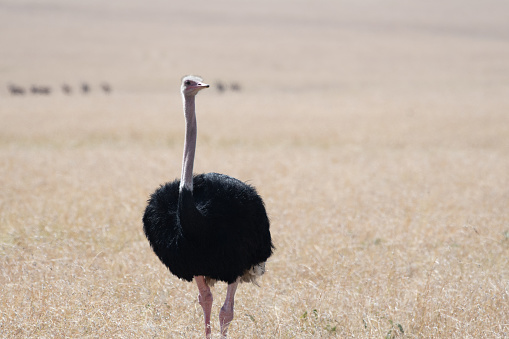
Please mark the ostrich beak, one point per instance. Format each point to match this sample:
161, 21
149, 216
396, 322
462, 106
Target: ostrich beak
199, 86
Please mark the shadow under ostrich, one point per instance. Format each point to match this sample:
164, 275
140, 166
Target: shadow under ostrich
209, 226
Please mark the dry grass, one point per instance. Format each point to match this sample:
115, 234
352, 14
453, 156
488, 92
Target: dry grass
387, 182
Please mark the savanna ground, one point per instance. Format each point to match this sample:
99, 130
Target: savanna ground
378, 135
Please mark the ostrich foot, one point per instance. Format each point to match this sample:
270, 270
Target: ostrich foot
205, 299
226, 313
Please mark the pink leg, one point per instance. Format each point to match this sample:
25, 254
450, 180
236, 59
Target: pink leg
226, 313
205, 299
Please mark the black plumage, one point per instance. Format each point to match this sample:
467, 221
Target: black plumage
219, 230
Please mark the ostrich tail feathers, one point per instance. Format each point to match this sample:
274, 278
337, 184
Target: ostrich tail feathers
253, 273
250, 276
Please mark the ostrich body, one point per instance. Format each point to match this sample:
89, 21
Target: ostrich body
208, 227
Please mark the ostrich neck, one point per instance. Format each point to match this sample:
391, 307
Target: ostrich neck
186, 179
190, 218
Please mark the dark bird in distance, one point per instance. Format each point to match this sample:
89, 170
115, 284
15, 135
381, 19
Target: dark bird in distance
106, 88
85, 88
235, 87
16, 90
220, 87
66, 89
44, 90
208, 227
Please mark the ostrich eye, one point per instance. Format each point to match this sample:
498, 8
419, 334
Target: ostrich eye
187, 82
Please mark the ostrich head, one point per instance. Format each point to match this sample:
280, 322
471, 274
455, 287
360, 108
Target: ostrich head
191, 85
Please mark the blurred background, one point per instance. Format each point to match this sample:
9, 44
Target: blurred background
282, 46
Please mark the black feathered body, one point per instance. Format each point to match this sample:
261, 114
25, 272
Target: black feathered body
220, 229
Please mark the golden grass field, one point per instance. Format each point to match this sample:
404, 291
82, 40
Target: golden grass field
377, 134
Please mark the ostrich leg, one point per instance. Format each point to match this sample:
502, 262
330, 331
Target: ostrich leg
226, 313
205, 299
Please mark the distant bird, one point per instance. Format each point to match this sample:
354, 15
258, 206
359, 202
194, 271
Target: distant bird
44, 90
220, 87
85, 88
235, 87
208, 227
16, 90
66, 89
106, 88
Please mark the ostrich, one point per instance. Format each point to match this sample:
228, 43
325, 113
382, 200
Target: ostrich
208, 227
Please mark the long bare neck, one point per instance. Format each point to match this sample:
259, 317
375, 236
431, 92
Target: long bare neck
186, 179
